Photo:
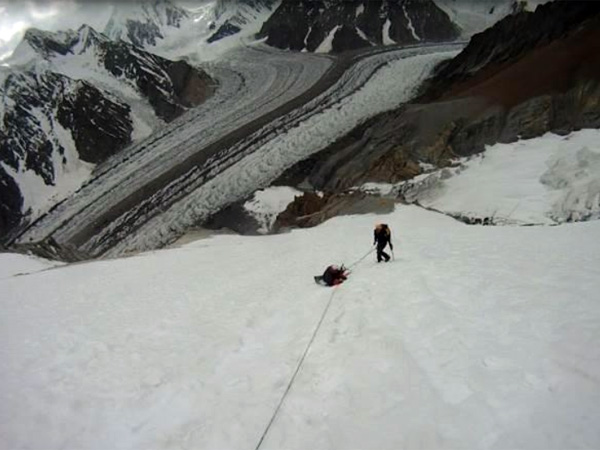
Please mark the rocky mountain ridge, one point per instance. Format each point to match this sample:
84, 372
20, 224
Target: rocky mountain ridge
231, 16
324, 25
508, 40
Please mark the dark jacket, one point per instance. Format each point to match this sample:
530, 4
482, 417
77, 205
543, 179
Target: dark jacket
334, 275
382, 236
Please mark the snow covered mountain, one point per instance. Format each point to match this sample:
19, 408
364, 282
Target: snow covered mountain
334, 25
71, 99
233, 16
474, 16
117, 67
144, 23
52, 127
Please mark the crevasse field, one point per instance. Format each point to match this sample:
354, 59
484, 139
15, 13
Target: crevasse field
473, 337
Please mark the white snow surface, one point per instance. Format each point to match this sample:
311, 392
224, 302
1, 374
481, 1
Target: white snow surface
387, 40
409, 24
266, 204
12, 264
473, 337
327, 45
546, 180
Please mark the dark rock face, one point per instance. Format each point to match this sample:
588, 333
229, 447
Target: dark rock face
98, 125
511, 38
11, 202
305, 24
309, 209
235, 218
74, 105
143, 33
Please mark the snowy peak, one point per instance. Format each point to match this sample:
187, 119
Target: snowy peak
231, 16
335, 25
474, 16
241, 10
144, 23
86, 38
45, 42
48, 44
116, 66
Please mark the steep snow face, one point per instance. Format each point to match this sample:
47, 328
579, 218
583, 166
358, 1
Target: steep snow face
547, 180
473, 338
216, 28
144, 23
266, 204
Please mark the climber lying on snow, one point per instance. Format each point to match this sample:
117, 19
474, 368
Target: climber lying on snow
333, 276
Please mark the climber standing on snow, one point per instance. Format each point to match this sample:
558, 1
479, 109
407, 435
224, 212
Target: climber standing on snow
382, 236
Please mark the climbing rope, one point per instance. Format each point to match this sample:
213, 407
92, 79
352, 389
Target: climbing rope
303, 357
300, 362
363, 257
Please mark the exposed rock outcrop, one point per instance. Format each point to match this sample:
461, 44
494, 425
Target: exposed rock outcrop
310, 209
515, 36
347, 25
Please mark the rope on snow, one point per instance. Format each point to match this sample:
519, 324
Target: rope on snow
300, 362
303, 357
356, 263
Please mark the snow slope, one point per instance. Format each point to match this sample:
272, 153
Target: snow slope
474, 337
546, 180
13, 264
266, 204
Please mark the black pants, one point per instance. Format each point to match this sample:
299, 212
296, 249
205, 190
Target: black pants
381, 254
